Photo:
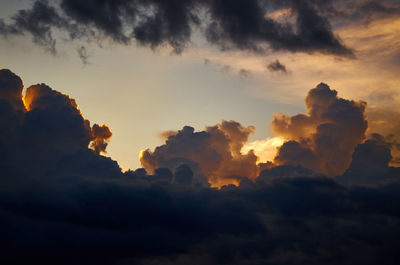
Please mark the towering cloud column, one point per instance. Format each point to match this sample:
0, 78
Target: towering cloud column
324, 139
45, 131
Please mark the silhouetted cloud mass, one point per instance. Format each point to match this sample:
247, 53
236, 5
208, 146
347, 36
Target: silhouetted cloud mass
385, 121
370, 163
62, 202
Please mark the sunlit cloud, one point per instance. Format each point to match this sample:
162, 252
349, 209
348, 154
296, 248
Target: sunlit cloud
265, 149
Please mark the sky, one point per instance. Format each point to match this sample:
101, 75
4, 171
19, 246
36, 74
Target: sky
156, 90
181, 89
209, 132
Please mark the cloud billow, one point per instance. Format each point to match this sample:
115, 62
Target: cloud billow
213, 153
325, 138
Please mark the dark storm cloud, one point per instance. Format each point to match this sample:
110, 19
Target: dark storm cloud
277, 66
38, 21
237, 24
63, 203
303, 220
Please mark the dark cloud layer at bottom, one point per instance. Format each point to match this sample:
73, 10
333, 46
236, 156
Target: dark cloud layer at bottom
63, 203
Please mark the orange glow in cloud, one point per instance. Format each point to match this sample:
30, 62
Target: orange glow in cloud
216, 151
282, 15
41, 96
146, 161
26, 103
100, 137
34, 94
27, 100
217, 182
265, 150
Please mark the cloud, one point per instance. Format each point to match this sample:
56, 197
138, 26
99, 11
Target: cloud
47, 126
365, 11
100, 136
6, 29
370, 163
63, 203
11, 91
265, 150
238, 24
277, 67
324, 139
183, 175
214, 153
385, 121
372, 77
227, 69
83, 54
38, 21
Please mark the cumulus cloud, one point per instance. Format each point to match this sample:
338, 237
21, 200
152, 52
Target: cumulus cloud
214, 153
11, 91
385, 122
47, 126
238, 24
54, 108
324, 139
100, 136
370, 163
63, 203
52, 122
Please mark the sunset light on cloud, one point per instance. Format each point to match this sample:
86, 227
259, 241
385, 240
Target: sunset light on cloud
265, 150
199, 132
